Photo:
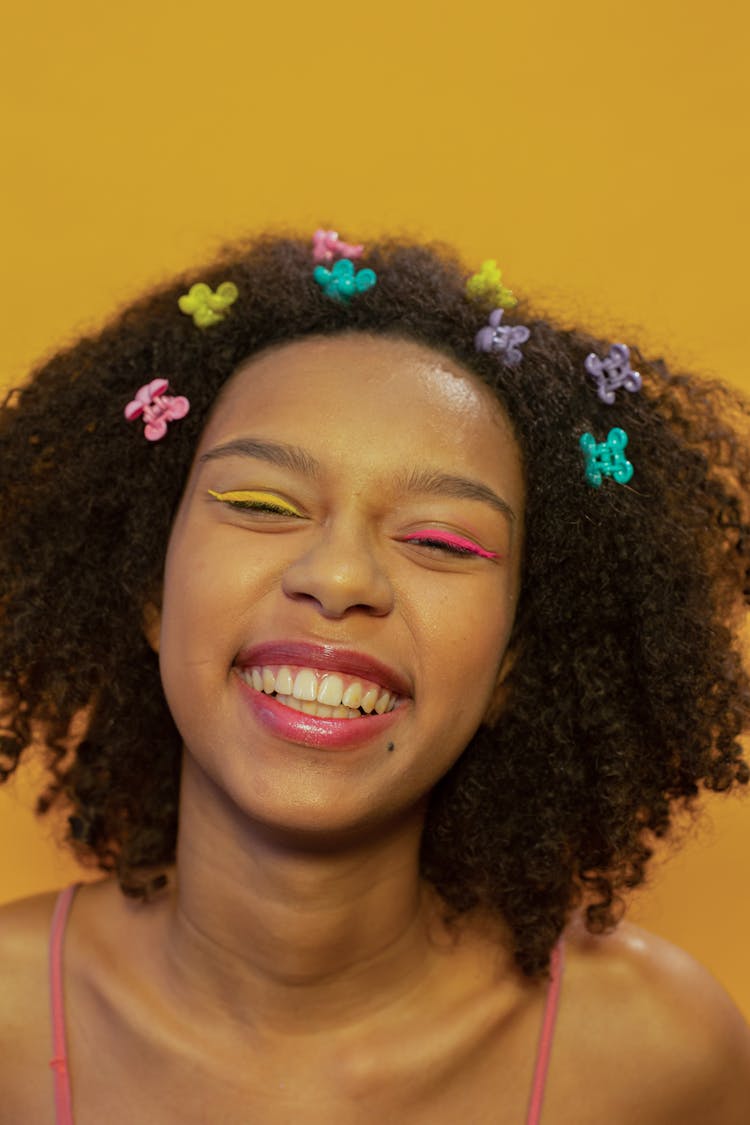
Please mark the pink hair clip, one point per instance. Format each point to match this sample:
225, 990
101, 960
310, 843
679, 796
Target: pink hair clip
157, 408
327, 246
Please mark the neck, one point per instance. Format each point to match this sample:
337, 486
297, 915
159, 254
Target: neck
268, 931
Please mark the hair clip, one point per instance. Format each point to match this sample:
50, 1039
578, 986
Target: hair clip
613, 372
157, 408
606, 458
205, 306
341, 282
327, 246
486, 285
502, 338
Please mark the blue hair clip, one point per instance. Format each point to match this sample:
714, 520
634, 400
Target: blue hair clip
613, 372
502, 338
341, 282
606, 458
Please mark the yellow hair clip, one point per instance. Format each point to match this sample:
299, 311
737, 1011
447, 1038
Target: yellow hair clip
486, 285
205, 306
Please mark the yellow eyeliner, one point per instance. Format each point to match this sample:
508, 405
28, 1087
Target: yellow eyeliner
253, 499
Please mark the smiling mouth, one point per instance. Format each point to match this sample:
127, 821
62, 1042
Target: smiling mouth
328, 695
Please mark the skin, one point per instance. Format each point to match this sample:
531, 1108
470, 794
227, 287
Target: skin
296, 969
346, 573
325, 844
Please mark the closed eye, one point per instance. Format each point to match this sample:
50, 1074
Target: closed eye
451, 544
256, 501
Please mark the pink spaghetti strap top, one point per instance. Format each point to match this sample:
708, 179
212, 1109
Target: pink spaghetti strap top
59, 1062
544, 1050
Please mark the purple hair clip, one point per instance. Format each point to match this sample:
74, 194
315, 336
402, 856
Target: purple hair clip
502, 338
327, 246
613, 372
157, 408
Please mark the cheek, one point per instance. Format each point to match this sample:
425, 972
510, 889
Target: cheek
467, 638
215, 588
197, 584
461, 680
205, 575
192, 663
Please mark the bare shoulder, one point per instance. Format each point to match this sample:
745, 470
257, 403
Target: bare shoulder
649, 1017
25, 1040
24, 940
26, 1045
26, 928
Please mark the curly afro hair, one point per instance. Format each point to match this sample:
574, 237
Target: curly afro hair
627, 694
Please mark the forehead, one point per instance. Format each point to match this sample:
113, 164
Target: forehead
365, 399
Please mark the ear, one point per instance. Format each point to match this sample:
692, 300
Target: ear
151, 624
500, 694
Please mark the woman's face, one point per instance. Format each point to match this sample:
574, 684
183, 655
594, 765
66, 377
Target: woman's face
351, 530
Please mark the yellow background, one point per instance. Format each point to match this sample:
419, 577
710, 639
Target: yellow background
597, 148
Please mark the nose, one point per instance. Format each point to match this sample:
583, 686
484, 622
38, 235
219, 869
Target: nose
341, 573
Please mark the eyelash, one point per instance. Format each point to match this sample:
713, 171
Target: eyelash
462, 547
453, 545
239, 500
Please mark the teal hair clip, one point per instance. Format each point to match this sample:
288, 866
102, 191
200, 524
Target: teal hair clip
205, 306
341, 282
606, 458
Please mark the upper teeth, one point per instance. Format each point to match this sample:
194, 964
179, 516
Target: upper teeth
333, 689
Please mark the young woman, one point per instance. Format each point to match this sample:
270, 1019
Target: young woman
373, 627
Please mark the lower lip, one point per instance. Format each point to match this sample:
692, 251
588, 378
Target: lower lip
330, 734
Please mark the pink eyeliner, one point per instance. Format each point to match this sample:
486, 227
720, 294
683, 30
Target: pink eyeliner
453, 541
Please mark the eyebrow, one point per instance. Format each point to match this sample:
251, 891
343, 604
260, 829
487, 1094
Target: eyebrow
423, 481
432, 482
276, 452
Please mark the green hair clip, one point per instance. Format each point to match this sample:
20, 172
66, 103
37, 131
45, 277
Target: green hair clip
205, 306
486, 286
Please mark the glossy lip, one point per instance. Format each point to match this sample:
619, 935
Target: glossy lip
327, 658
309, 730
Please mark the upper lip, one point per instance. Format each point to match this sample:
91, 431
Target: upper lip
307, 655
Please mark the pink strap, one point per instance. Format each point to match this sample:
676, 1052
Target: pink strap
59, 1063
547, 1033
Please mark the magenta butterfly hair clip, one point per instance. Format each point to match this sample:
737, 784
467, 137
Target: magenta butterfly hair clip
156, 407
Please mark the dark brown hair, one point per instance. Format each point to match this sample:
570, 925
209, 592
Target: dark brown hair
627, 694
